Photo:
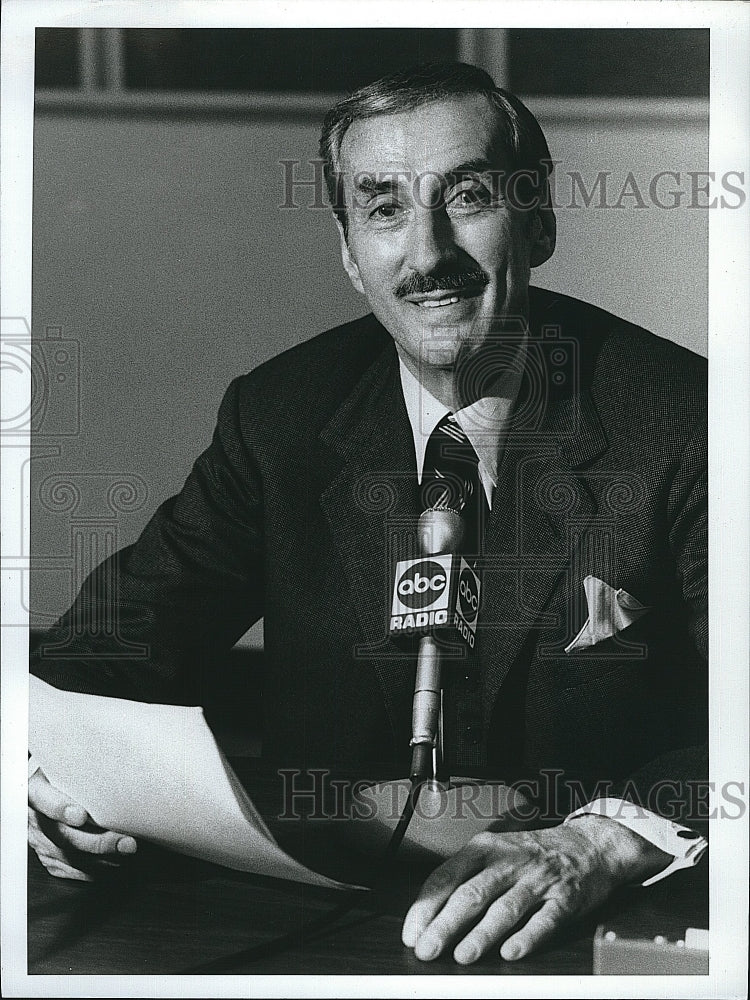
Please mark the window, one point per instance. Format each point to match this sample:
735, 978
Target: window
57, 59
172, 67
275, 59
609, 62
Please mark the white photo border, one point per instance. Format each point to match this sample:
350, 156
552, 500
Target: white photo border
729, 355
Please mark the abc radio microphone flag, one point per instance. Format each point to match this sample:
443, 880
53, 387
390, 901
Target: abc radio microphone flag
435, 593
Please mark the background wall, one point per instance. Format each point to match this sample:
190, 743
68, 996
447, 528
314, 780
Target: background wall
160, 248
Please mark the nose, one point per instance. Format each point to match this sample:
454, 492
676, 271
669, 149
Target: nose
430, 240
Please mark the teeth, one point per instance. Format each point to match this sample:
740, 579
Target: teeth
437, 303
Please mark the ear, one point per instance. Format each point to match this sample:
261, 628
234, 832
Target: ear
543, 236
348, 261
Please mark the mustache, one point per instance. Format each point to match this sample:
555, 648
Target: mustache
443, 281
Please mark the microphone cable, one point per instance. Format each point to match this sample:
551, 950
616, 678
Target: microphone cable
421, 772
317, 926
312, 929
404, 819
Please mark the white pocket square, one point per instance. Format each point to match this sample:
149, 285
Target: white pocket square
610, 611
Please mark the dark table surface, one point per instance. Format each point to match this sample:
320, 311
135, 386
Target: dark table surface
168, 914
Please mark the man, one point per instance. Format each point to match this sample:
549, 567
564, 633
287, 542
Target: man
588, 443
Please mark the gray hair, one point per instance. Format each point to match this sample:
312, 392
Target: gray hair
407, 89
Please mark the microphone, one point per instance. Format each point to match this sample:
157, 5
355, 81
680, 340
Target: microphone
438, 592
440, 533
425, 590
434, 596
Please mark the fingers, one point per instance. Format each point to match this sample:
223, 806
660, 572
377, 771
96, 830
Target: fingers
50, 801
476, 903
462, 910
537, 929
502, 916
436, 891
51, 854
68, 852
67, 843
102, 843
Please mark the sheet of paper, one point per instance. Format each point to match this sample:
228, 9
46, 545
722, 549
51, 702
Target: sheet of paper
155, 772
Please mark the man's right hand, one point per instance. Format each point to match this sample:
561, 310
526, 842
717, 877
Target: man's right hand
66, 841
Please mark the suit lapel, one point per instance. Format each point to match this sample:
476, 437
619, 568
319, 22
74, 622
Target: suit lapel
539, 508
370, 505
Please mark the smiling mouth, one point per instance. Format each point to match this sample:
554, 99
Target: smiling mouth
440, 299
438, 303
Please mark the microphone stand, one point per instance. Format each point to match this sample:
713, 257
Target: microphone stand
440, 533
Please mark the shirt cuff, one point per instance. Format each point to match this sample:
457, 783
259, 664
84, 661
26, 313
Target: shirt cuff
686, 846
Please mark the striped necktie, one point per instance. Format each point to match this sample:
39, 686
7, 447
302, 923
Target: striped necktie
451, 479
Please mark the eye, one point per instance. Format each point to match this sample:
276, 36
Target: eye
385, 211
469, 197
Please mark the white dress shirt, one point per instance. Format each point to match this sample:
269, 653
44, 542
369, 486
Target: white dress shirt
485, 423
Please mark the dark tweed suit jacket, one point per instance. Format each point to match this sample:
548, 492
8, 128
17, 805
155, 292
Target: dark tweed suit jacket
306, 496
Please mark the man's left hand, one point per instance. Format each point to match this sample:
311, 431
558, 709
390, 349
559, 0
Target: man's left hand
519, 888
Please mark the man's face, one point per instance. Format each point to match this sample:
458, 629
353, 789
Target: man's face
443, 260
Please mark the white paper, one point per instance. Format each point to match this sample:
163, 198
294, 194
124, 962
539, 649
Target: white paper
154, 772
